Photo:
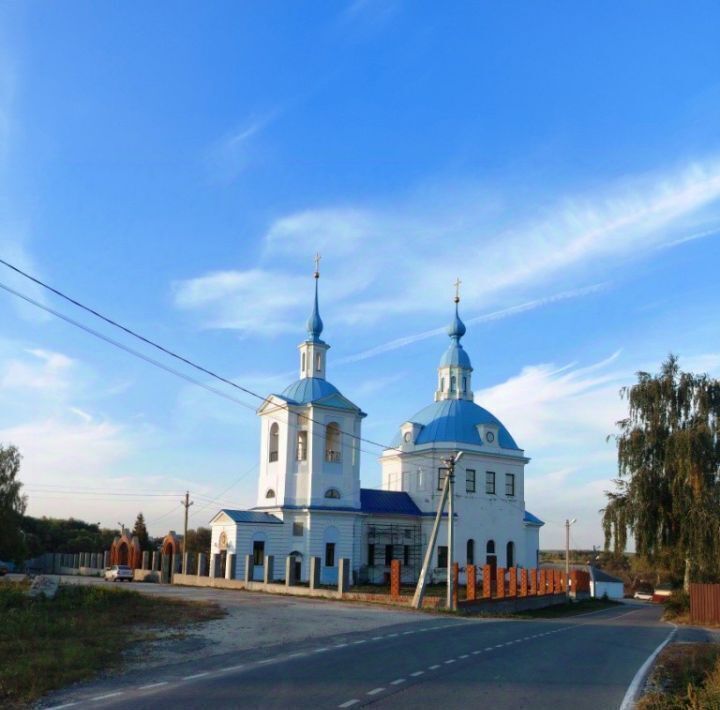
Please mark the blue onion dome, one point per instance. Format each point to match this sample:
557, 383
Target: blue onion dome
456, 329
314, 323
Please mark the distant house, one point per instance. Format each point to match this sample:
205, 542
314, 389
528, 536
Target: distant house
602, 584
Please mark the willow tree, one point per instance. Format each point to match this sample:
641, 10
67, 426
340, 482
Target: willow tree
668, 491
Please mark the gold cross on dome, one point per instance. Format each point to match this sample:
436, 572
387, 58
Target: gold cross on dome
457, 288
317, 263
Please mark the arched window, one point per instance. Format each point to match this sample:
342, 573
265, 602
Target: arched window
274, 442
303, 363
318, 362
333, 451
490, 556
442, 384
332, 493
464, 384
270, 493
453, 383
471, 552
510, 554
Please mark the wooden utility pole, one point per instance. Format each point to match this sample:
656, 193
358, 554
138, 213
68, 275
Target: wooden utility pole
568, 523
186, 504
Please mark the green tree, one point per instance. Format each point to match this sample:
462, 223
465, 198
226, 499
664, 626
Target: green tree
668, 492
198, 540
140, 531
12, 506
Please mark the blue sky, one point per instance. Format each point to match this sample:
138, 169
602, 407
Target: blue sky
178, 165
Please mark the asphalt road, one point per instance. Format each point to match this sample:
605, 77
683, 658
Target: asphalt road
587, 661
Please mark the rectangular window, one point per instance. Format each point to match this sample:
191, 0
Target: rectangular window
302, 446
469, 480
490, 482
406, 555
388, 554
442, 475
329, 554
442, 556
509, 484
258, 553
297, 529
371, 555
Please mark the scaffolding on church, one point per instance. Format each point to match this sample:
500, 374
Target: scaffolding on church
391, 541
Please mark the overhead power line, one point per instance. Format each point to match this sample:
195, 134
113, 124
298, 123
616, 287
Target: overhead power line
431, 457
153, 344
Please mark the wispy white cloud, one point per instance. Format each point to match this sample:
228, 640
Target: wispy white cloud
234, 152
43, 371
400, 260
484, 318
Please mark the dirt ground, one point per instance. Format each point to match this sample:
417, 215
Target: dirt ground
254, 620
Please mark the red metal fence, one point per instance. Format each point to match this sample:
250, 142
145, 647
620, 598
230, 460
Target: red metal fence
705, 603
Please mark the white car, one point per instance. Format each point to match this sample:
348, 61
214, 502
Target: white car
118, 573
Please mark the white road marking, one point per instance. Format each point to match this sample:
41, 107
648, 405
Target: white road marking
376, 638
397, 681
500, 645
432, 668
349, 703
107, 695
465, 655
475, 653
317, 650
407, 633
235, 668
375, 691
152, 685
488, 648
417, 673
270, 660
297, 655
198, 675
392, 635
450, 660
340, 645
633, 690
355, 643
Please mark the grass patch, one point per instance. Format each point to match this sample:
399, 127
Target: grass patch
50, 643
685, 676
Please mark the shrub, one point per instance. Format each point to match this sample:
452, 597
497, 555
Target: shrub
677, 604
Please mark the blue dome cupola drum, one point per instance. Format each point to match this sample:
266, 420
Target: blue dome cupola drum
313, 350
454, 419
455, 369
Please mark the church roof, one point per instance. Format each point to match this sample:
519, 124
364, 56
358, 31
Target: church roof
251, 516
531, 519
376, 501
455, 356
312, 390
456, 421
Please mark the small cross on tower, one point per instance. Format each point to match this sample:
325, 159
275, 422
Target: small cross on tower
457, 289
317, 265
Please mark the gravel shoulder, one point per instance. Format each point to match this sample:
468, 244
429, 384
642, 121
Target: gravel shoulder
253, 621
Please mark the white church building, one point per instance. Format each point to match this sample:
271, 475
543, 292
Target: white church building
310, 503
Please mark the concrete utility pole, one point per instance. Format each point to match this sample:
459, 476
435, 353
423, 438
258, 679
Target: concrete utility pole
568, 523
186, 504
448, 489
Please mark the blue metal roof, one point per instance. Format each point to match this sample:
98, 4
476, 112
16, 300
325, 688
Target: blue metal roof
455, 355
532, 519
251, 516
376, 501
456, 420
312, 389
